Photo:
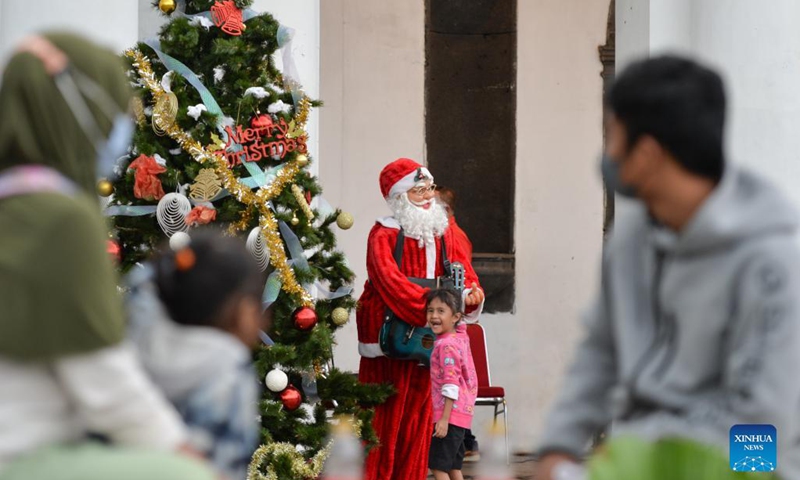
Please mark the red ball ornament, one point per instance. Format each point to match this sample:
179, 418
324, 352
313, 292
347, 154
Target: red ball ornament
262, 124
305, 318
291, 398
114, 250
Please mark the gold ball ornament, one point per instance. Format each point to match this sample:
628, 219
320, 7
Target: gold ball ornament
295, 221
340, 316
105, 188
302, 159
166, 6
345, 221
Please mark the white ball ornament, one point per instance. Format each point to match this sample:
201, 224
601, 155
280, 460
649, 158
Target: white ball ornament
179, 241
257, 246
171, 213
277, 381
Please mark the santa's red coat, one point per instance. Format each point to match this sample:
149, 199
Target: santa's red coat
404, 423
461, 237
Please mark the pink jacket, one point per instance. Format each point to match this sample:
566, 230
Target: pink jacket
453, 376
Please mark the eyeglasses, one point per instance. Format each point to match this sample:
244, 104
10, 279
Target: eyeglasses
423, 190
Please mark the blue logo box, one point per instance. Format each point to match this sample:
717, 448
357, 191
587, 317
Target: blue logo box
753, 448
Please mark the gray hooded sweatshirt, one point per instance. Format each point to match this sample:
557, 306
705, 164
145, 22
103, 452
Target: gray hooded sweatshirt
694, 332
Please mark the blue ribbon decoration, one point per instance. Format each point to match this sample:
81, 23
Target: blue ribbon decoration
205, 96
208, 100
273, 287
265, 338
129, 210
177, 66
290, 74
323, 207
256, 174
293, 244
252, 182
271, 290
325, 293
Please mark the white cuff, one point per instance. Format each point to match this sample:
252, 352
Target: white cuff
370, 350
474, 316
450, 391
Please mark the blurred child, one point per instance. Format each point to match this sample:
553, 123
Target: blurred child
454, 384
196, 342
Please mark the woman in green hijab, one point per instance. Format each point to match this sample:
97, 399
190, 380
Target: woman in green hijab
65, 370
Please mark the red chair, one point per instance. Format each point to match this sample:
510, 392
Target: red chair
487, 393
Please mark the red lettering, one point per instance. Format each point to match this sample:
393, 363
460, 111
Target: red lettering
235, 158
302, 147
233, 137
253, 148
254, 152
267, 132
282, 128
262, 148
274, 149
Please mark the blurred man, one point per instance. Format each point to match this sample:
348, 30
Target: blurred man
696, 326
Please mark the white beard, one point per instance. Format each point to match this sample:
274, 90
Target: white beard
418, 222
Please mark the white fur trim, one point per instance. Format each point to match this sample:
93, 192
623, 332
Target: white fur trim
450, 391
475, 315
370, 350
389, 222
407, 183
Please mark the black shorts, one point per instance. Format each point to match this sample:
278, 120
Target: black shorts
448, 453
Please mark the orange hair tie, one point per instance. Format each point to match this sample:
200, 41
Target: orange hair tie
185, 259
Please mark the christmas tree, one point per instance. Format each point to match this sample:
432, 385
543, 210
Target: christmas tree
220, 140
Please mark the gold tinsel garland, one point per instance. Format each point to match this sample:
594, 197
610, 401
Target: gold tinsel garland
301, 468
241, 192
302, 112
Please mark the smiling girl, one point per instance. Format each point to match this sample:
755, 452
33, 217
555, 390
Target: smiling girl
454, 384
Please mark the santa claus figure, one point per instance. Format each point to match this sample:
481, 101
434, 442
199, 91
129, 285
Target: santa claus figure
404, 423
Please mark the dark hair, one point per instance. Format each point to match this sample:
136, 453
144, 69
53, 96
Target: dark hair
448, 196
220, 270
679, 103
448, 296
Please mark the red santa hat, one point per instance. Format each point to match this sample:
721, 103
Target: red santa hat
401, 176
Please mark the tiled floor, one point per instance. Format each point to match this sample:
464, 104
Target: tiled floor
521, 464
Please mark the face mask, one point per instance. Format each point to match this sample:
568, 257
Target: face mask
73, 86
610, 170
